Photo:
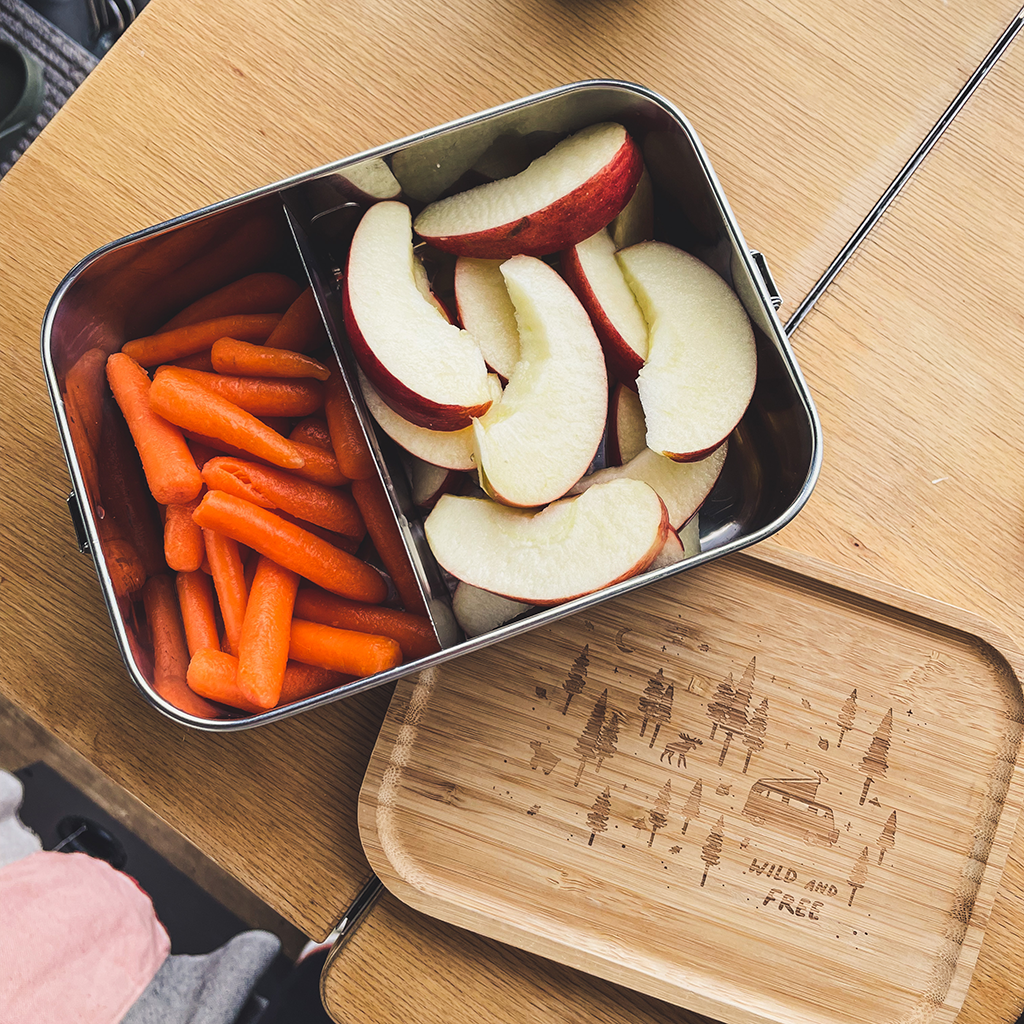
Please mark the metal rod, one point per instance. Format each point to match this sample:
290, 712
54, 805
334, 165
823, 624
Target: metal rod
907, 171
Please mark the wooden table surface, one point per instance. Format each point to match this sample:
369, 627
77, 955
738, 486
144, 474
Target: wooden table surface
807, 115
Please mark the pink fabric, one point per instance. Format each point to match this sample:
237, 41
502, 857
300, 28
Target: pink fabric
79, 941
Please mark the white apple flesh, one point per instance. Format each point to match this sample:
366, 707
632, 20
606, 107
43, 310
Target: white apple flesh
424, 367
572, 547
627, 428
593, 273
689, 535
479, 611
671, 553
702, 362
486, 311
636, 222
683, 486
450, 449
562, 197
535, 443
429, 482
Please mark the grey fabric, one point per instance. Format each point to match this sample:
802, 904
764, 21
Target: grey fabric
65, 64
208, 989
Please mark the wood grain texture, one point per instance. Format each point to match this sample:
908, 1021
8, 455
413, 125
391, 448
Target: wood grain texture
806, 114
913, 356
674, 804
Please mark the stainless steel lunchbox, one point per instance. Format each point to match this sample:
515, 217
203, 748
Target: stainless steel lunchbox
301, 225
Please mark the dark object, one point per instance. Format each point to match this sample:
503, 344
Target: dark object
298, 1000
21, 93
82, 835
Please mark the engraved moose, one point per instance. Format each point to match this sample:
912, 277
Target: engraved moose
680, 748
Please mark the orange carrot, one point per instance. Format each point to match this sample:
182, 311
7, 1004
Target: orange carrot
186, 341
213, 674
202, 361
265, 292
274, 488
243, 359
382, 526
170, 470
343, 650
170, 652
266, 630
301, 328
338, 540
198, 610
260, 396
129, 511
313, 430
183, 540
347, 438
177, 397
321, 467
413, 633
84, 390
228, 574
291, 546
124, 565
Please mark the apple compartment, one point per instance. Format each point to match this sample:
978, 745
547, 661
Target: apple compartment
302, 227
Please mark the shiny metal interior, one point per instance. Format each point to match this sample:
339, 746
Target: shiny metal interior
302, 226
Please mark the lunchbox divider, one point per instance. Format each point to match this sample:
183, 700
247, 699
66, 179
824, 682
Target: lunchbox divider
429, 578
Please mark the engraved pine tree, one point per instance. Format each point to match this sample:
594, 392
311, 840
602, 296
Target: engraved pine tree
607, 741
597, 819
875, 762
659, 812
661, 712
586, 745
734, 717
847, 713
577, 677
753, 738
653, 692
692, 807
887, 840
711, 852
859, 875
718, 709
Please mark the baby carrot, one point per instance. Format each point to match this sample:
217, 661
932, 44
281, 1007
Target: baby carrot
382, 526
343, 650
312, 430
84, 391
266, 628
183, 540
301, 328
347, 438
213, 674
291, 546
262, 292
320, 466
198, 610
123, 564
261, 396
168, 464
413, 633
274, 488
338, 540
243, 359
179, 398
202, 361
228, 574
186, 341
170, 652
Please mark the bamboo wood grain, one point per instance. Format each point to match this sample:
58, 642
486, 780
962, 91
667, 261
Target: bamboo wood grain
203, 100
562, 793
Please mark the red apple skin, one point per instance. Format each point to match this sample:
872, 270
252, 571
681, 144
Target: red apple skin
406, 402
623, 361
561, 224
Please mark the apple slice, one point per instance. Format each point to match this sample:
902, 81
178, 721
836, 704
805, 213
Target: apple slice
636, 222
450, 449
627, 428
424, 367
570, 548
428, 482
486, 311
369, 181
562, 197
479, 611
689, 535
683, 486
702, 361
595, 276
534, 444
671, 553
